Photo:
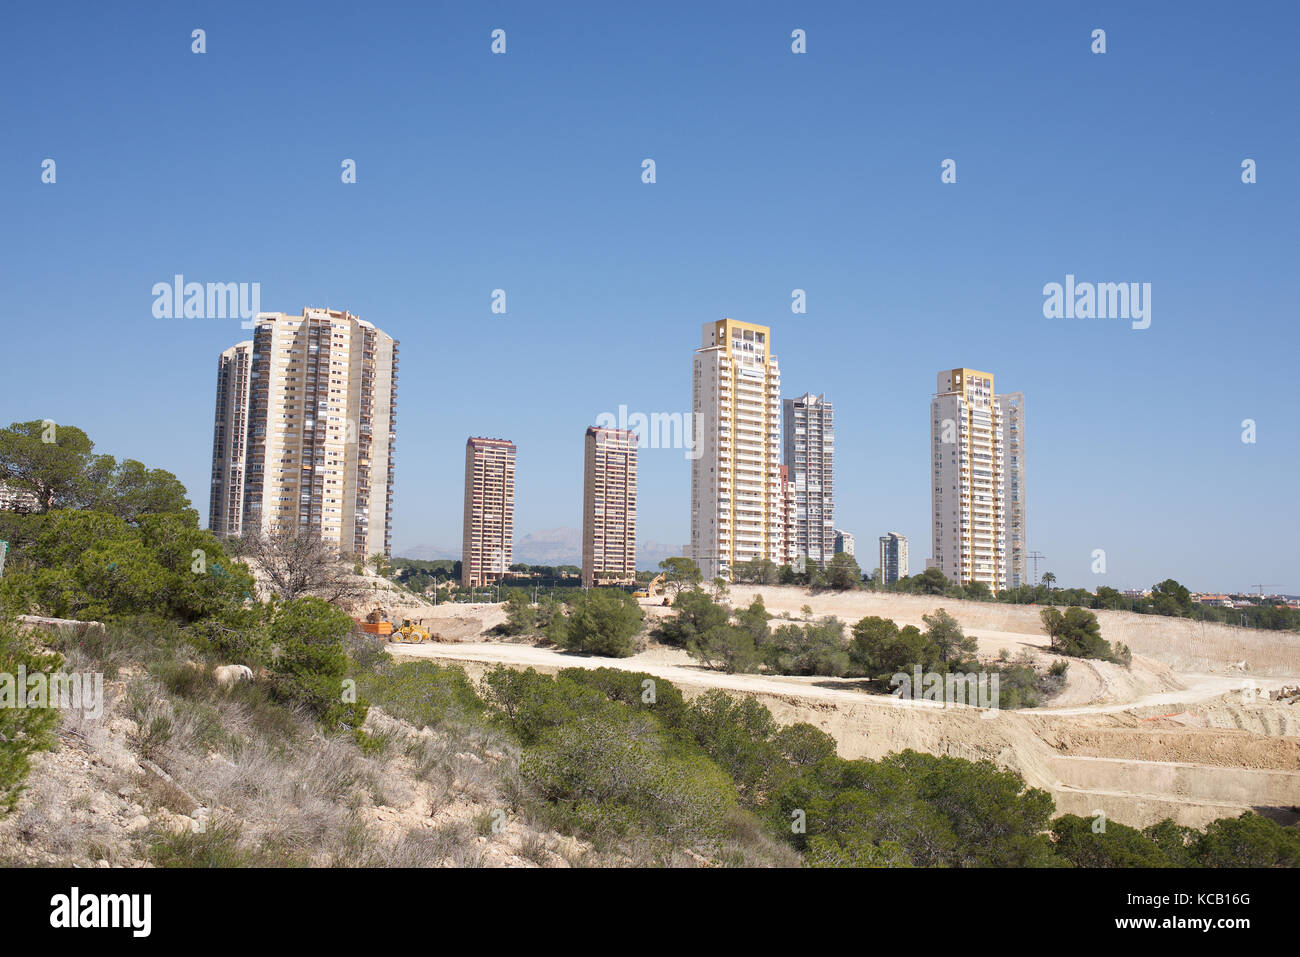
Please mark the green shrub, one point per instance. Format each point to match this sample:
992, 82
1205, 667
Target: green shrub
660, 697
422, 692
527, 703
915, 808
1117, 846
816, 649
1247, 841
309, 662
601, 621
1078, 634
23, 731
613, 774
697, 615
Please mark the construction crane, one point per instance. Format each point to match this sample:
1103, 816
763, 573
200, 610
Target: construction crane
1262, 587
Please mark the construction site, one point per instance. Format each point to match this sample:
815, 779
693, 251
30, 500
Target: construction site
1204, 724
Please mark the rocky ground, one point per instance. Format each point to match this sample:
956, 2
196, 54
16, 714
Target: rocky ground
229, 784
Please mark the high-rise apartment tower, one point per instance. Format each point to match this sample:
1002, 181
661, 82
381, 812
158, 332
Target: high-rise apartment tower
609, 507
229, 439
809, 424
893, 557
736, 494
489, 539
320, 403
978, 525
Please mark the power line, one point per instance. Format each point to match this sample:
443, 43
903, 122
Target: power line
1036, 555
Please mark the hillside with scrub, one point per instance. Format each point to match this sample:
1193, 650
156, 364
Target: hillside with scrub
334, 752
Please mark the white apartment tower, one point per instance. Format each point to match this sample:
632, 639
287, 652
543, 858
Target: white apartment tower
609, 507
321, 413
810, 454
229, 439
893, 558
978, 526
737, 508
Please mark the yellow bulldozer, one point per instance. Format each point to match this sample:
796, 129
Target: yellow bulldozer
410, 633
376, 623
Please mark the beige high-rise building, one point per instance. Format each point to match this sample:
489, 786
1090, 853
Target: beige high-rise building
489, 533
229, 440
321, 432
609, 507
978, 530
737, 499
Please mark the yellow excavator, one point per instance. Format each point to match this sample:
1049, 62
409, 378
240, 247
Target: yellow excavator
654, 588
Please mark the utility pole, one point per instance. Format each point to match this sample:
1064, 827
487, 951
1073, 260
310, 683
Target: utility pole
1036, 556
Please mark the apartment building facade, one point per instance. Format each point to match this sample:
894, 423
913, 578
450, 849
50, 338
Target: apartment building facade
809, 448
737, 507
229, 440
893, 558
320, 435
609, 507
843, 542
972, 515
789, 513
14, 499
1011, 406
488, 545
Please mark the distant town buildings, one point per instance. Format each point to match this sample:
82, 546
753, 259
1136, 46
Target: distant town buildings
809, 453
18, 500
978, 481
489, 529
305, 430
1240, 599
893, 558
737, 508
609, 507
843, 542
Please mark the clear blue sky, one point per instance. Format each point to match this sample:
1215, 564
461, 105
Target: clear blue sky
775, 172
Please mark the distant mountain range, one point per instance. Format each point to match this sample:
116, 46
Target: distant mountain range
550, 546
547, 546
428, 553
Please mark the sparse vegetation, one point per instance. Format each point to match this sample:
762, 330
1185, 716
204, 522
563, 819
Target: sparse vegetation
297, 768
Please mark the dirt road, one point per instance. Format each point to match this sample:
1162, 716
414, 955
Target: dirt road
679, 668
